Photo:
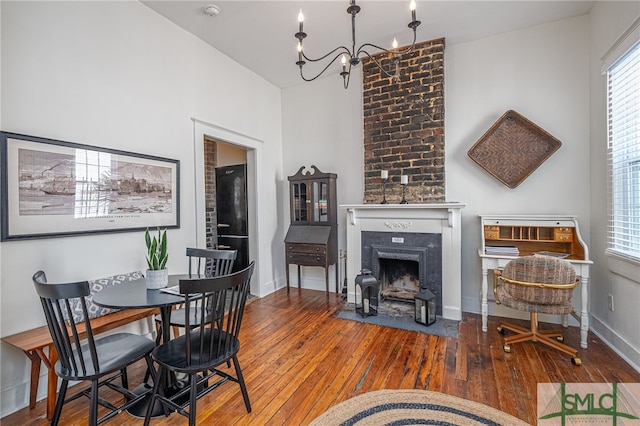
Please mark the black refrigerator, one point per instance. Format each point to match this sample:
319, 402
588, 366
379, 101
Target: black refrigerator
232, 212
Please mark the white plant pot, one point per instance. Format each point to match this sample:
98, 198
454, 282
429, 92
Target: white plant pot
157, 279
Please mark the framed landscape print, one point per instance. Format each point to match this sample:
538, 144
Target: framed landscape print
52, 188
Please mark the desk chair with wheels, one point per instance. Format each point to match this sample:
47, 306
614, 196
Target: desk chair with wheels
537, 284
89, 359
202, 263
206, 344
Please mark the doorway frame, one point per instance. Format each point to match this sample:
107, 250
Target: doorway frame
253, 146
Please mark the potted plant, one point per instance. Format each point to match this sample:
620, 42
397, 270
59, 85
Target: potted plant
157, 256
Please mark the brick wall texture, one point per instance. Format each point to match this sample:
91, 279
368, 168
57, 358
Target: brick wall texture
211, 221
404, 125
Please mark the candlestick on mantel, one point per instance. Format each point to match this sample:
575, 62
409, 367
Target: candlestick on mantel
404, 181
384, 175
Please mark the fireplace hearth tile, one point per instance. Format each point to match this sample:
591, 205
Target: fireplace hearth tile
401, 316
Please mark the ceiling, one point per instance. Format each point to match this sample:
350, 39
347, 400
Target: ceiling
260, 34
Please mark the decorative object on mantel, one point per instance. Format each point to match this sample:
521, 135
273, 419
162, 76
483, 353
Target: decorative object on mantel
352, 55
404, 181
384, 175
513, 148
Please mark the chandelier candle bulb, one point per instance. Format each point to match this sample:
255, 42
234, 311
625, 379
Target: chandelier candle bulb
412, 7
384, 174
404, 180
301, 19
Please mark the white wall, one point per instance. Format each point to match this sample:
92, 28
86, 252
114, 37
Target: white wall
609, 21
118, 75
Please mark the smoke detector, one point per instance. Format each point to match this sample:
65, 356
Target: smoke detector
212, 10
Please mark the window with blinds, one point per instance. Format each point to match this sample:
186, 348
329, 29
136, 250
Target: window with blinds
623, 154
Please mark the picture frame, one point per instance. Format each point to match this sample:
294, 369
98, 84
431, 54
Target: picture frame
52, 188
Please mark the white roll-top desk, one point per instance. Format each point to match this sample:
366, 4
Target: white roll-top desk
506, 237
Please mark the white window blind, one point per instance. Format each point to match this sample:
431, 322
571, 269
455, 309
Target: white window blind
623, 154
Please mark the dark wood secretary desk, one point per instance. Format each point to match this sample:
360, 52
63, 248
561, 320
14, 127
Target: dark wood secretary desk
531, 234
312, 239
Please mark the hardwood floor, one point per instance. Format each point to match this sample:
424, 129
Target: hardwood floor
298, 360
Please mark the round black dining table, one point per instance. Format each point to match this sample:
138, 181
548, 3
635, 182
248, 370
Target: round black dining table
135, 295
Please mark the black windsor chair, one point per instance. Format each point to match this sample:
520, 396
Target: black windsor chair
207, 344
81, 356
202, 263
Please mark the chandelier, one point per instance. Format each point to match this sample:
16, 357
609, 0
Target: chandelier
352, 56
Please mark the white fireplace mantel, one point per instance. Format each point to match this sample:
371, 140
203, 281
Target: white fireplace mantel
436, 218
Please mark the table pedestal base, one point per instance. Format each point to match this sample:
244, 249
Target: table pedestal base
139, 410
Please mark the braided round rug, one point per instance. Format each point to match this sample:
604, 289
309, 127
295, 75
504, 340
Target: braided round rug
412, 407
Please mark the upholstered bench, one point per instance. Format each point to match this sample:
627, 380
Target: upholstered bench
34, 342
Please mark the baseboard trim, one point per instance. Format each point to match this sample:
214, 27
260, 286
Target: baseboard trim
616, 342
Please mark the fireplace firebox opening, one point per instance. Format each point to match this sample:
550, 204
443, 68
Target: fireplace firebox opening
404, 263
399, 279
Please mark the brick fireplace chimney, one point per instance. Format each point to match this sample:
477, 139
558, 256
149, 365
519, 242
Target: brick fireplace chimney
404, 125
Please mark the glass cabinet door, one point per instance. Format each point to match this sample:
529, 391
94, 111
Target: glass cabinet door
320, 202
299, 194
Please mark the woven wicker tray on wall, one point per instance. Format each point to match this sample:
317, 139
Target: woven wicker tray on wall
513, 148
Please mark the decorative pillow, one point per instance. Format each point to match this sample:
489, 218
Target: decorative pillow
95, 286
